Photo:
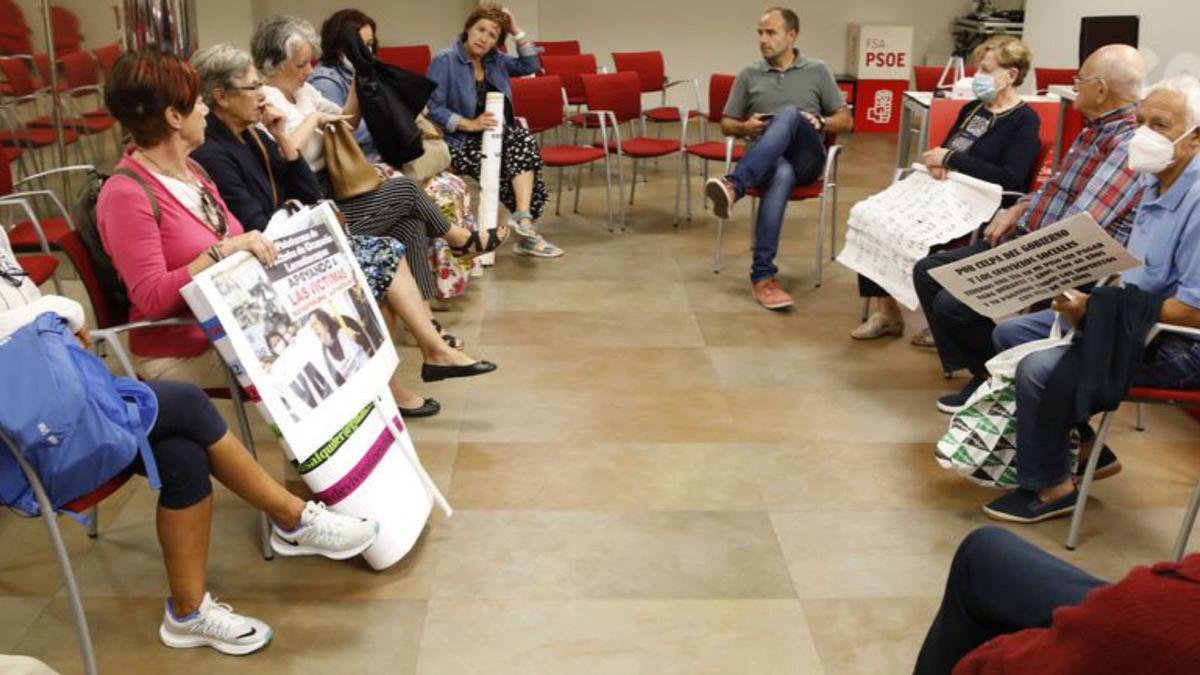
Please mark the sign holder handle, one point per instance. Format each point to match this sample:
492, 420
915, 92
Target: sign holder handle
412, 458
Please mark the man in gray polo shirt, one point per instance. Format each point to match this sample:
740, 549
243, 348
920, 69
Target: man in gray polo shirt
784, 105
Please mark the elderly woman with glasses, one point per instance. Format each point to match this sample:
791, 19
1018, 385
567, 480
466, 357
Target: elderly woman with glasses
257, 171
283, 48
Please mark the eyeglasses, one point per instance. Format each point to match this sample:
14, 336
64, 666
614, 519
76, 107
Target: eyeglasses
1076, 81
213, 214
257, 86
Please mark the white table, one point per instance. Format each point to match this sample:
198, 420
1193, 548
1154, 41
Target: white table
1066, 94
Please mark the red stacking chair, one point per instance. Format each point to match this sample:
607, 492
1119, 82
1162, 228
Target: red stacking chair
413, 58
719, 87
539, 101
651, 72
1044, 77
1142, 395
14, 32
619, 96
824, 190
30, 236
82, 80
106, 56
38, 132
568, 69
68, 36
559, 48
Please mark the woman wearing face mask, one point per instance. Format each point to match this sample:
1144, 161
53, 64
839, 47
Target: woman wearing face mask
994, 139
466, 72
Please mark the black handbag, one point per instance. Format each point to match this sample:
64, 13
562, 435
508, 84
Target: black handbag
390, 99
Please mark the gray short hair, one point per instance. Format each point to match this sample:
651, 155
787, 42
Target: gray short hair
276, 40
1186, 86
1122, 69
218, 66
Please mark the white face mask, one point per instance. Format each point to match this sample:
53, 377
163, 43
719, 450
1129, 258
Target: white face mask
1150, 151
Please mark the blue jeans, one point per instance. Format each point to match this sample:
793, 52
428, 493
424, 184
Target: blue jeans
1043, 452
998, 584
790, 152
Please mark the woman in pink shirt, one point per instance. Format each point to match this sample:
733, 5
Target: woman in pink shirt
156, 257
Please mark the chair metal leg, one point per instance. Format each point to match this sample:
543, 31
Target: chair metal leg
50, 518
608, 207
833, 223
679, 187
687, 177
704, 202
239, 409
93, 521
578, 185
621, 189
821, 239
1085, 485
1185, 529
633, 185
717, 252
1141, 417
558, 200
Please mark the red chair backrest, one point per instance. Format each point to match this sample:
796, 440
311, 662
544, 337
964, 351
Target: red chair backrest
42, 61
925, 78
79, 70
649, 67
14, 32
942, 114
1044, 77
413, 58
560, 47
618, 92
568, 68
107, 313
106, 56
719, 87
16, 72
539, 101
66, 29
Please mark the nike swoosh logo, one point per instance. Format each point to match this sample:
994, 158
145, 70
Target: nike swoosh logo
289, 541
252, 633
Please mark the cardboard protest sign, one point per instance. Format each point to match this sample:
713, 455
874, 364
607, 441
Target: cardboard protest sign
305, 336
888, 232
1035, 267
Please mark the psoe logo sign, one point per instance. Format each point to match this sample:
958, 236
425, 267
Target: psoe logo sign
880, 111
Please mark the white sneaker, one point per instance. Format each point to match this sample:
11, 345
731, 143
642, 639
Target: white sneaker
215, 625
323, 532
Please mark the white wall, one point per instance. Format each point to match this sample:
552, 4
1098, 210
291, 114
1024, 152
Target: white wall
1168, 32
700, 38
401, 22
229, 21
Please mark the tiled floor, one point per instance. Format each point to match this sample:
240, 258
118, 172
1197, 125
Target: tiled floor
661, 478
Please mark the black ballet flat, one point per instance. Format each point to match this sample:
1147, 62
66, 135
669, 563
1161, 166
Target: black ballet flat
432, 373
428, 408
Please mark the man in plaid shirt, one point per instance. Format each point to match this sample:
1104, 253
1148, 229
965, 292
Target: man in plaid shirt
1093, 177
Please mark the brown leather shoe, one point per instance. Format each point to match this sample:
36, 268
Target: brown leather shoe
770, 294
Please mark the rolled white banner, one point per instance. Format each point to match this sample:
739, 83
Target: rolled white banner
489, 171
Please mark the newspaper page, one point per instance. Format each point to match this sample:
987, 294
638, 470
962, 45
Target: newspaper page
1038, 266
889, 232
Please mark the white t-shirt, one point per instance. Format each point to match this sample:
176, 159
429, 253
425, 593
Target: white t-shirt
188, 194
308, 101
22, 303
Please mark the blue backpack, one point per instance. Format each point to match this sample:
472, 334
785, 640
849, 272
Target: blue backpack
72, 420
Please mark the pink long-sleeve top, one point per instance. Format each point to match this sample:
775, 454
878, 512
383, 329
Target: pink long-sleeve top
152, 257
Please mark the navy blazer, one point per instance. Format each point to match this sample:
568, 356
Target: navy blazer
237, 167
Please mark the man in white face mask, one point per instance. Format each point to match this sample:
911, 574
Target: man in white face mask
1165, 151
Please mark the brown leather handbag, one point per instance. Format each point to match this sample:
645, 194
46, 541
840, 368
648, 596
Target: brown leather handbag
436, 158
350, 174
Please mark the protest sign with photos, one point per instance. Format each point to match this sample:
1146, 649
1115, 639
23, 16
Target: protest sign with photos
887, 233
305, 336
1038, 266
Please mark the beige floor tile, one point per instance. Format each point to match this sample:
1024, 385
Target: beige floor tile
844, 415
862, 477
1141, 536
605, 477
17, 614
592, 329
862, 368
552, 414
613, 370
646, 266
309, 637
580, 555
864, 637
618, 637
584, 296
888, 554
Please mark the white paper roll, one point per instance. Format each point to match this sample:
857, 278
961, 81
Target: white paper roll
489, 172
